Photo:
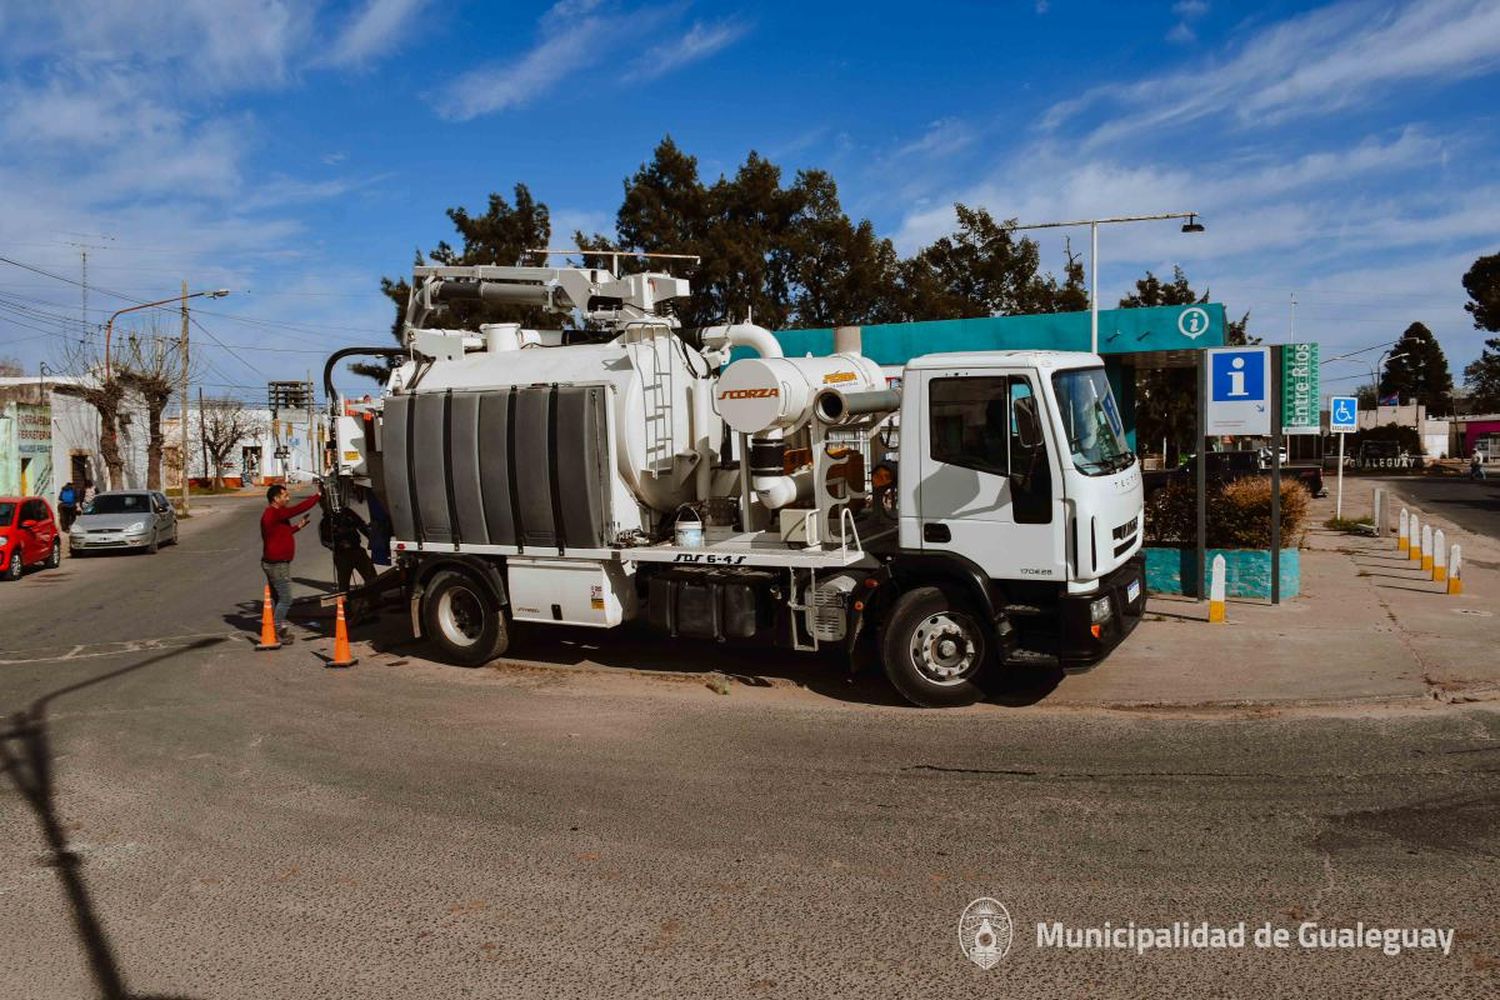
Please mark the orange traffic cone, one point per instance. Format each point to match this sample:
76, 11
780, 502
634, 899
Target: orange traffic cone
268, 637
341, 655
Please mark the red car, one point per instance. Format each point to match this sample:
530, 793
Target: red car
28, 536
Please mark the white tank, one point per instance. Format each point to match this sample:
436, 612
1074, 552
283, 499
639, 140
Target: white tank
756, 395
657, 445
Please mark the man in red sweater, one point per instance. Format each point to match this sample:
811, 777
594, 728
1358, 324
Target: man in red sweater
278, 547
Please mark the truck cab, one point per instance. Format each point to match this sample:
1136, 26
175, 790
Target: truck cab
1015, 466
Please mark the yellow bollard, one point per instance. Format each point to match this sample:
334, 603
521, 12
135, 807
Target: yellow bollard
1439, 556
1427, 548
1415, 538
1455, 579
1403, 538
1216, 593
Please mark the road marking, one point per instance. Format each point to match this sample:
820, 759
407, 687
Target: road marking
95, 651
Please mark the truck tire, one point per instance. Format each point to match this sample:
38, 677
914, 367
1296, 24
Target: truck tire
462, 618
935, 649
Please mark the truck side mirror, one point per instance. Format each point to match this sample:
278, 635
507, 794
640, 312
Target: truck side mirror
1028, 423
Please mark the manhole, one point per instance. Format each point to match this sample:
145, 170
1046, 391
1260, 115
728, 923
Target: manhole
1474, 611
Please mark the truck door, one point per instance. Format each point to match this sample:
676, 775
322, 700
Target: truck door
989, 489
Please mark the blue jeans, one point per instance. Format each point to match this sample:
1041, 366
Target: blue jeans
279, 576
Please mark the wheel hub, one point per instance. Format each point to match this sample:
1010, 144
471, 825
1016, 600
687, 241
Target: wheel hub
461, 616
944, 649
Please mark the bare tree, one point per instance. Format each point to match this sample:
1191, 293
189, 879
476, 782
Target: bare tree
10, 367
152, 366
222, 424
105, 393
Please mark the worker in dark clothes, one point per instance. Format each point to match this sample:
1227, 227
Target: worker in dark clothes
349, 550
278, 547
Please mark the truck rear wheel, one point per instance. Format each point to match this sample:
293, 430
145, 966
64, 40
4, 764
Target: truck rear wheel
935, 649
463, 619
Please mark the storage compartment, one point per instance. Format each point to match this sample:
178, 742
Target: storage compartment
711, 603
570, 592
525, 466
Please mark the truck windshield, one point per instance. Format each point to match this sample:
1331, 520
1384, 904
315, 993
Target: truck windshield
1096, 437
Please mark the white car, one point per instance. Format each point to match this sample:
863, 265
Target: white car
124, 519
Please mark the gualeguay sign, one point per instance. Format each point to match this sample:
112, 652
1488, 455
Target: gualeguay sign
1300, 389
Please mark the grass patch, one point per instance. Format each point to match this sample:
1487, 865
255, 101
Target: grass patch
1350, 525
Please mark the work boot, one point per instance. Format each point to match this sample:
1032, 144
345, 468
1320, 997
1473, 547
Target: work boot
285, 635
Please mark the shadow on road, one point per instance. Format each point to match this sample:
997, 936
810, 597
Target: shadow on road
26, 759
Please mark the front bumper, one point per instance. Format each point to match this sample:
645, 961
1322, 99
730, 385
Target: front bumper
113, 540
1080, 648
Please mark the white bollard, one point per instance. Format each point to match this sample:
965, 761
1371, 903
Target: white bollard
1455, 578
1379, 512
1439, 556
1216, 592
1403, 537
1427, 548
1415, 538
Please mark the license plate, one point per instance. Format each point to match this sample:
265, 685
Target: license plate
1132, 591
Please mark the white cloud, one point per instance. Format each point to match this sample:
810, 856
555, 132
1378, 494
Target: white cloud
1329, 59
1181, 34
1190, 8
700, 42
374, 31
575, 36
570, 38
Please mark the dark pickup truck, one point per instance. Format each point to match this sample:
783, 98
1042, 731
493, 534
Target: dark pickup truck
1227, 466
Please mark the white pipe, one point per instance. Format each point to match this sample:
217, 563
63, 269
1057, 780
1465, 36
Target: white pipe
702, 442
757, 338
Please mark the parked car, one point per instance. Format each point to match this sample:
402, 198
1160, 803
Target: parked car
124, 519
28, 536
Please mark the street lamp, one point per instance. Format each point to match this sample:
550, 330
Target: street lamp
217, 293
1192, 225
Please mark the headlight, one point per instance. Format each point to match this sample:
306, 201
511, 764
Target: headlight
137, 527
1100, 610
4, 540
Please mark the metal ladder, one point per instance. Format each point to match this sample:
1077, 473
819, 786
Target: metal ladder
656, 398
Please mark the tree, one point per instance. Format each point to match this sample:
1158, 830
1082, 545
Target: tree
499, 236
840, 272
1418, 372
106, 394
982, 269
222, 425
10, 368
1482, 282
152, 368
1482, 376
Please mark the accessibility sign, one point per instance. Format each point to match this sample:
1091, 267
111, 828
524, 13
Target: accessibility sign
1343, 414
1239, 387
1300, 384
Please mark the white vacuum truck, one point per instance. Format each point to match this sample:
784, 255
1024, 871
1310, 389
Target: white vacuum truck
970, 512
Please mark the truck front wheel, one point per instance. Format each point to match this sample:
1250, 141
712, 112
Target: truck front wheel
935, 649
463, 619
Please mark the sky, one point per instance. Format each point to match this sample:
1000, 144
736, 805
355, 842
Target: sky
1342, 155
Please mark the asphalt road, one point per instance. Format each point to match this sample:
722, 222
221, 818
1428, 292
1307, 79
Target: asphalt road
1474, 506
197, 820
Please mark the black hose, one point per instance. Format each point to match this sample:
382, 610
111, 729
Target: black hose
339, 355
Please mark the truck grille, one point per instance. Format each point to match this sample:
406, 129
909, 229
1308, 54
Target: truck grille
1124, 536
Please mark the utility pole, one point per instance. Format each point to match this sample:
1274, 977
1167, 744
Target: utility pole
201, 437
183, 395
312, 442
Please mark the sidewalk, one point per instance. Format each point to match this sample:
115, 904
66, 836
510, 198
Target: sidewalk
1369, 626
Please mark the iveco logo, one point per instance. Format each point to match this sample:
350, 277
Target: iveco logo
749, 393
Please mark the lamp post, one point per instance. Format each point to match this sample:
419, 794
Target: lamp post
1192, 225
217, 293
